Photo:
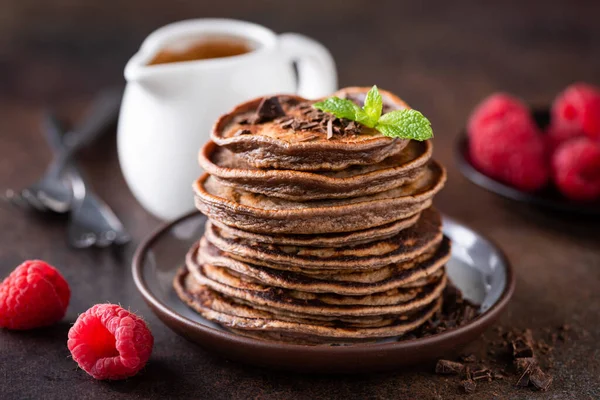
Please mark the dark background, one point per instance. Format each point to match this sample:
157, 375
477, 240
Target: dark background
441, 56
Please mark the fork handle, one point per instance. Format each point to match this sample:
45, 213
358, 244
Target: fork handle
54, 131
103, 112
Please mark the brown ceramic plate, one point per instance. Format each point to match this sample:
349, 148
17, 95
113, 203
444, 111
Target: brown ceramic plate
477, 267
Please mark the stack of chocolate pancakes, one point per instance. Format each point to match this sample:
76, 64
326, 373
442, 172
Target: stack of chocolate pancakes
319, 231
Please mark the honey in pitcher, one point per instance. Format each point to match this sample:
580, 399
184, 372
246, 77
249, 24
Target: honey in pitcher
217, 47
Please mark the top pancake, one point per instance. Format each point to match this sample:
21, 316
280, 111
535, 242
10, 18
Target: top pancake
358, 180
303, 143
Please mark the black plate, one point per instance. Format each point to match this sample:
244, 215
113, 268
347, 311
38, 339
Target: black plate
549, 197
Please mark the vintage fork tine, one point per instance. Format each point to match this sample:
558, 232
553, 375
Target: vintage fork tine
10, 196
31, 200
23, 199
14, 199
92, 222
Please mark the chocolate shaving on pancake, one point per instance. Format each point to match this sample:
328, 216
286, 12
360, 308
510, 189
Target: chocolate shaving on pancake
268, 109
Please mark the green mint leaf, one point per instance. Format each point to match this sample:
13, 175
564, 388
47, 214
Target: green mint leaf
341, 108
373, 105
344, 108
405, 124
363, 118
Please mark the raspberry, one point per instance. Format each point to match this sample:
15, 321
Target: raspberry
576, 169
511, 150
34, 295
109, 342
577, 109
558, 134
495, 108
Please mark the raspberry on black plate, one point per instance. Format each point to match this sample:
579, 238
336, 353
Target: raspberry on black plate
495, 108
576, 169
511, 149
577, 111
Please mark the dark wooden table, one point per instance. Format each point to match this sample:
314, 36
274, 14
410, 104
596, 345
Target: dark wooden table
441, 56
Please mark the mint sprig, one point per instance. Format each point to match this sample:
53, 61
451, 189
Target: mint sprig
404, 124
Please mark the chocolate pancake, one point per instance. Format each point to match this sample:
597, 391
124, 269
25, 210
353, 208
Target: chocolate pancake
359, 180
406, 245
259, 213
285, 132
228, 277
357, 321
284, 300
414, 272
221, 309
324, 239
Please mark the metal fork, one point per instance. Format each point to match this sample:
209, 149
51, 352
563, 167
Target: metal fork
52, 191
91, 221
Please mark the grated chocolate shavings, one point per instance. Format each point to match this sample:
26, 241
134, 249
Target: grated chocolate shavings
287, 123
522, 364
540, 379
305, 118
269, 109
512, 359
522, 346
469, 358
307, 138
241, 132
447, 367
308, 125
456, 311
243, 120
482, 374
468, 384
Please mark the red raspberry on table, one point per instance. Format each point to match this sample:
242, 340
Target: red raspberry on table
511, 150
577, 109
34, 295
495, 108
576, 169
109, 342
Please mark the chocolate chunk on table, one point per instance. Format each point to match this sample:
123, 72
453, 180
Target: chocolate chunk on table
481, 374
447, 367
468, 385
522, 345
540, 379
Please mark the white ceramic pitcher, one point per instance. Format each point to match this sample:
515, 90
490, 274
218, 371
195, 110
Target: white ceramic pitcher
168, 109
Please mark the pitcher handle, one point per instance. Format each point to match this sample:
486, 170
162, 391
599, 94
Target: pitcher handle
317, 76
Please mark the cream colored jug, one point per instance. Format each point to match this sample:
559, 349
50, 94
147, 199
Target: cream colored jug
168, 109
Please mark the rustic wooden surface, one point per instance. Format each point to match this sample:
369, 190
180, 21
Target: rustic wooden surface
440, 56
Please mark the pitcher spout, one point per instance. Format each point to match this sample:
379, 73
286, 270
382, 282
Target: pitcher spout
135, 70
138, 71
